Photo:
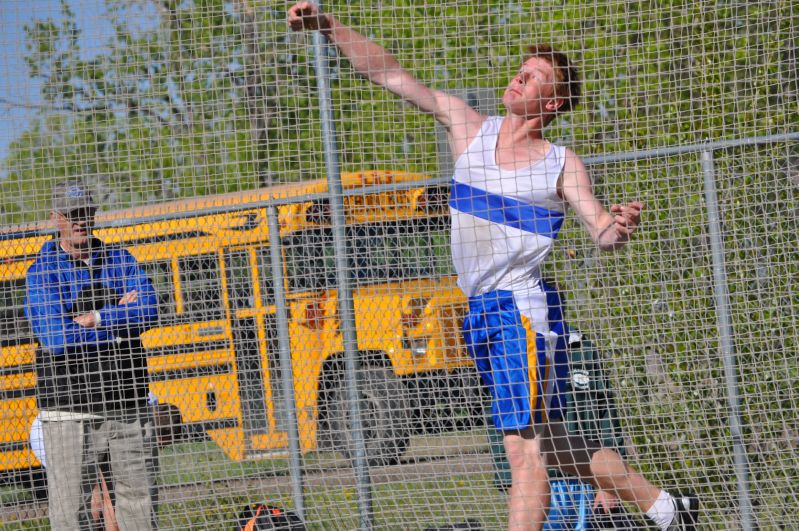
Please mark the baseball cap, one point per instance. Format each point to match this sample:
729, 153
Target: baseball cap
71, 196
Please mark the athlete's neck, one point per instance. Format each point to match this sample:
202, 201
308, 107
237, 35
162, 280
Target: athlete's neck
518, 130
528, 128
520, 143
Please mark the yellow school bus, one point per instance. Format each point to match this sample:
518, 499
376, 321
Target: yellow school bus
214, 353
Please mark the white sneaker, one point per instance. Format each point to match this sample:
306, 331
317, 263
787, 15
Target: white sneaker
686, 513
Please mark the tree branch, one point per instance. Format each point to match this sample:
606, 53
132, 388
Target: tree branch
37, 106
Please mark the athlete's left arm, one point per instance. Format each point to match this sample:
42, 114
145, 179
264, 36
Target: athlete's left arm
609, 230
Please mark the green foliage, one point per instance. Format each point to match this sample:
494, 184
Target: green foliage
156, 115
653, 310
219, 96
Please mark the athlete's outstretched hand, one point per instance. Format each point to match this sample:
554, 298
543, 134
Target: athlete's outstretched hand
626, 218
306, 16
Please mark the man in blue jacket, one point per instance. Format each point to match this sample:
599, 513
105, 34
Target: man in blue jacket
88, 304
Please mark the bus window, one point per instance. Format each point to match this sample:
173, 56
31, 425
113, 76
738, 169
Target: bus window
397, 250
409, 249
14, 326
237, 268
378, 252
201, 288
160, 274
265, 275
246, 344
310, 260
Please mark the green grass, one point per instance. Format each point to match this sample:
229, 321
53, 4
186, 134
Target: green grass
208, 503
199, 462
398, 505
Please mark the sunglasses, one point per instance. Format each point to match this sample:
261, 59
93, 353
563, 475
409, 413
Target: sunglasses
80, 215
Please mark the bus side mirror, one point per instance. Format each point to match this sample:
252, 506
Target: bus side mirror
431, 199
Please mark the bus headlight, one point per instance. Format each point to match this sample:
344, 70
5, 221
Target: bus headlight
413, 314
417, 345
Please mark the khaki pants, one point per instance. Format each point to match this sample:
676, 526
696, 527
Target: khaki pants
74, 449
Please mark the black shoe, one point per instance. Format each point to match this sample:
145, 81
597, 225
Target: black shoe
686, 513
617, 519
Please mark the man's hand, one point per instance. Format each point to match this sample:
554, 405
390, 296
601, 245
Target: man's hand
91, 319
606, 501
626, 219
306, 16
128, 298
87, 320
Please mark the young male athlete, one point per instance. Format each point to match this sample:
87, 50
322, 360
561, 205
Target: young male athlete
509, 196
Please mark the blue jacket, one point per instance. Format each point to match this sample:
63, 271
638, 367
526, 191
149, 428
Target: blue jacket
89, 369
55, 281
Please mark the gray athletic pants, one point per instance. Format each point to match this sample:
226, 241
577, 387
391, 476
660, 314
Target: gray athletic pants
74, 449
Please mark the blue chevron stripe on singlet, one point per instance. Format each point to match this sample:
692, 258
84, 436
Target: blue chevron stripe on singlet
505, 210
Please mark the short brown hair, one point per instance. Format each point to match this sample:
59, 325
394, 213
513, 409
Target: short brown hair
567, 80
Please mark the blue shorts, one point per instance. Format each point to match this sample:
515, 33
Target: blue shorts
570, 507
520, 355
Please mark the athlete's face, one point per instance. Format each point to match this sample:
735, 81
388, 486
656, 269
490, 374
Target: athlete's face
531, 92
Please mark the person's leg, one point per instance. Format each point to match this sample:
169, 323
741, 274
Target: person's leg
129, 452
518, 399
109, 518
69, 496
63, 446
102, 505
529, 495
151, 445
603, 467
505, 355
614, 475
97, 463
608, 471
97, 504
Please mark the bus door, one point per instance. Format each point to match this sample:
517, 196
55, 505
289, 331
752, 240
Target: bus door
253, 323
190, 354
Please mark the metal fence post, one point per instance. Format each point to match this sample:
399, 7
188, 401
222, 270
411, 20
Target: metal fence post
346, 306
286, 369
725, 337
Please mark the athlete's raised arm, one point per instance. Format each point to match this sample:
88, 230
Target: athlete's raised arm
377, 65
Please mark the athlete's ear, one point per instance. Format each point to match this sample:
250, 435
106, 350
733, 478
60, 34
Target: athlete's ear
554, 104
